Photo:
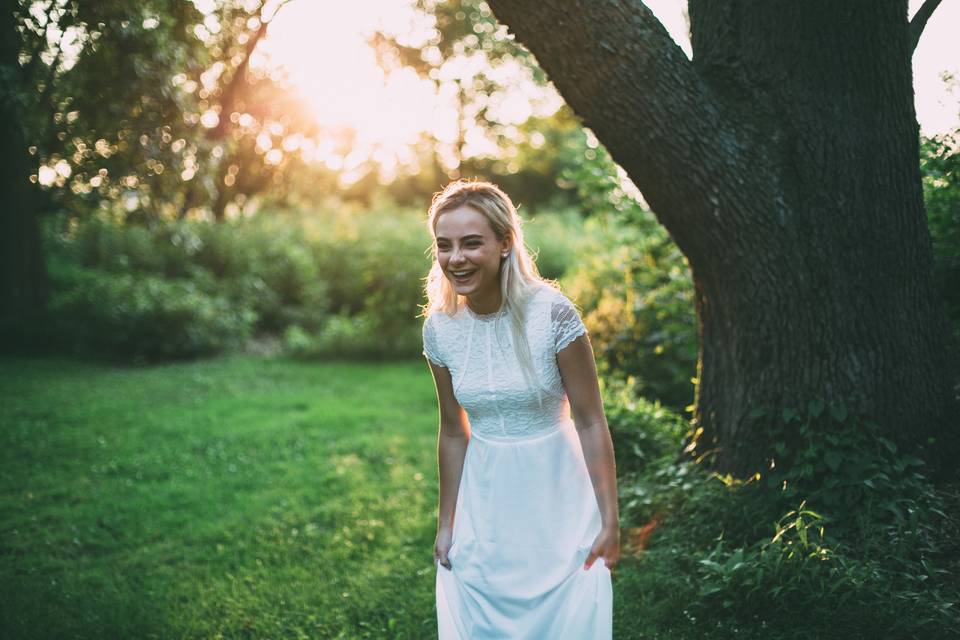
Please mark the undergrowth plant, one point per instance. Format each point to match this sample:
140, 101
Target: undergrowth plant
841, 534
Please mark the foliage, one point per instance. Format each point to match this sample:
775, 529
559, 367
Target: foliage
143, 317
939, 163
343, 282
635, 289
151, 108
557, 240
643, 431
471, 57
844, 536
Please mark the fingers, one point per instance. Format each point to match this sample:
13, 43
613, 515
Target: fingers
590, 559
611, 565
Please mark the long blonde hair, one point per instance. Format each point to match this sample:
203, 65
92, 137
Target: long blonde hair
519, 277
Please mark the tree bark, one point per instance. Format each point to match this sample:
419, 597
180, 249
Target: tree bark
783, 160
23, 276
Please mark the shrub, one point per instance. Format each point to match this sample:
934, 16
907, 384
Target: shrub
555, 238
939, 163
341, 282
346, 336
643, 431
143, 317
635, 289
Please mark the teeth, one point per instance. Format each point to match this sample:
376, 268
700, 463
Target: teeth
460, 274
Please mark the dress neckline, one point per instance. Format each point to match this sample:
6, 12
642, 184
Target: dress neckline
483, 317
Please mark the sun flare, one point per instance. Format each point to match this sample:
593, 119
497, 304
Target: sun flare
322, 47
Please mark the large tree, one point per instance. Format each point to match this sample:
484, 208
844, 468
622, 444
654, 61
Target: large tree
783, 160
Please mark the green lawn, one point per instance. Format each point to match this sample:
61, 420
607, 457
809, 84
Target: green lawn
242, 497
233, 498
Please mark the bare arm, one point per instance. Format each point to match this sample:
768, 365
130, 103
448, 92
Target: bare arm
454, 436
579, 373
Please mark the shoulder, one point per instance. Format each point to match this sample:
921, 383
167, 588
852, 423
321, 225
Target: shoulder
565, 321
560, 304
438, 322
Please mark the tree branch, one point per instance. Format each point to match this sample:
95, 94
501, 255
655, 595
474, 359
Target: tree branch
620, 71
919, 21
231, 90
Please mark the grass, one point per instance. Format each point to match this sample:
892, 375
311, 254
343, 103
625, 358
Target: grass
234, 498
242, 497
251, 497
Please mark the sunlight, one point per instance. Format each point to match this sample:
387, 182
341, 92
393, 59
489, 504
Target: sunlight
365, 113
322, 48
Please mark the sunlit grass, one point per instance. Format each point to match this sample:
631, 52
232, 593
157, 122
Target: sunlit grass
232, 498
235, 498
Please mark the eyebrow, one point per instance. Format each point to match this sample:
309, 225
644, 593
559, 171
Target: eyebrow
466, 237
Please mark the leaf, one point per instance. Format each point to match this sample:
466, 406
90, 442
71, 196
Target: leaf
833, 460
710, 564
839, 412
815, 407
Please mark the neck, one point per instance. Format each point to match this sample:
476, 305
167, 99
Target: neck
488, 304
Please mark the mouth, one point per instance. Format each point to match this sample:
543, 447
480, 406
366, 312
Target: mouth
462, 277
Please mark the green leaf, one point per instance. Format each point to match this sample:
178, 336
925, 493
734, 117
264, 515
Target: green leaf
833, 460
839, 412
815, 407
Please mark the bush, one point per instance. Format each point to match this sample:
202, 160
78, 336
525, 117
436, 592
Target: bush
556, 240
939, 163
868, 545
842, 535
643, 431
345, 336
635, 289
143, 317
336, 282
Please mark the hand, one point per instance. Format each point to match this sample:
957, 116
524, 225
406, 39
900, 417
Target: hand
607, 544
442, 546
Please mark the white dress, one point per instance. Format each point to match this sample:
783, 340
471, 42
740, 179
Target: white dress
526, 513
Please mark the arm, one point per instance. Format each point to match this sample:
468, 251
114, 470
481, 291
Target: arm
454, 436
579, 373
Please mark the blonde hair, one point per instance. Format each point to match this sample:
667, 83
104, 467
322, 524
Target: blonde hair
519, 277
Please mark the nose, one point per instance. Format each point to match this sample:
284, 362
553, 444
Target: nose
456, 257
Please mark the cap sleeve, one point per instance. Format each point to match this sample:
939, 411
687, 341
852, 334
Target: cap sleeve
430, 348
565, 322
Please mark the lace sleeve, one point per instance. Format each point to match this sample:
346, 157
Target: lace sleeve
565, 323
430, 348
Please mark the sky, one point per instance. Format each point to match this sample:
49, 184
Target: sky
322, 45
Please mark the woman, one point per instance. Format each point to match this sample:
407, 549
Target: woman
528, 496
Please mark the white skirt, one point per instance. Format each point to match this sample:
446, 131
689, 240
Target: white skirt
525, 520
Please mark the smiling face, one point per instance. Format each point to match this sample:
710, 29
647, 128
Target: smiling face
470, 255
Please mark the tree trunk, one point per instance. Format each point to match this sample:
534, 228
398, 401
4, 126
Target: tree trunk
23, 279
784, 162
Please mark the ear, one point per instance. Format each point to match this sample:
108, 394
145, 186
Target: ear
505, 246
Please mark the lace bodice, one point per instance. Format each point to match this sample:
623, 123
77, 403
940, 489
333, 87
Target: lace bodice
487, 379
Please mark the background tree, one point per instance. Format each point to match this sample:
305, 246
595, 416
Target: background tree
472, 61
783, 161
149, 109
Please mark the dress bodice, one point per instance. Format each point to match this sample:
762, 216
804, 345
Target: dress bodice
488, 380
